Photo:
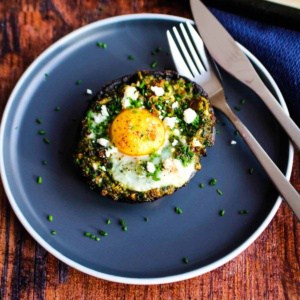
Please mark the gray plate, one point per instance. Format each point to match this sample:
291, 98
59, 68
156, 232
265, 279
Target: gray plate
149, 252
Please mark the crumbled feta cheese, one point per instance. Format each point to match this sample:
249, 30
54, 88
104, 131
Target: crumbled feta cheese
170, 122
103, 142
104, 111
99, 118
196, 143
91, 135
176, 131
175, 105
89, 92
157, 90
110, 151
150, 167
189, 115
103, 168
172, 165
233, 142
174, 143
130, 93
95, 165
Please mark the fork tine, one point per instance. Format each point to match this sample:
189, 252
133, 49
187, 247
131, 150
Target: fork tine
190, 62
192, 49
199, 45
178, 59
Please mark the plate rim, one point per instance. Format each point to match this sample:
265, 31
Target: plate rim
98, 274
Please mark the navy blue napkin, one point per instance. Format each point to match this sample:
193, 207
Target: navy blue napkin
277, 48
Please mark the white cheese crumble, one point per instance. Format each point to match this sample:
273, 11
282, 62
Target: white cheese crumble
91, 135
104, 111
89, 92
233, 142
175, 105
196, 143
174, 143
150, 167
103, 142
99, 118
130, 93
95, 166
176, 131
157, 90
189, 115
170, 122
110, 151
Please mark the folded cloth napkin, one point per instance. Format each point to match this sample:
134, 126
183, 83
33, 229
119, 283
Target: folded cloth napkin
277, 48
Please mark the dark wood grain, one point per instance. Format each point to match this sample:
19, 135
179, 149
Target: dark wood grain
268, 269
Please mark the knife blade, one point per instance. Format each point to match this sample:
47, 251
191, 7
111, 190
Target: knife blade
225, 52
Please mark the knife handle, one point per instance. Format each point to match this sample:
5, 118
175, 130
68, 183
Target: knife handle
284, 120
285, 188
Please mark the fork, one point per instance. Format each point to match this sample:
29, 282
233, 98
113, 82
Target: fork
193, 63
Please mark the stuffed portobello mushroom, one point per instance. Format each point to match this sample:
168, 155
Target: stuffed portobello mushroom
143, 135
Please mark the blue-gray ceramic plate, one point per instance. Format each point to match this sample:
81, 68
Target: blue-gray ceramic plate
149, 252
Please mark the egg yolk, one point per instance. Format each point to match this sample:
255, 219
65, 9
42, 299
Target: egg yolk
137, 132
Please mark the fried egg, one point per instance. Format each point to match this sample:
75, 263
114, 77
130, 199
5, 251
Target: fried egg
143, 135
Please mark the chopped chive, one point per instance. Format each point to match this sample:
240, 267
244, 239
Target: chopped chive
243, 212
237, 108
44, 162
103, 233
251, 171
78, 82
158, 49
57, 108
185, 260
92, 236
154, 64
213, 181
101, 45
201, 185
222, 212
46, 75
53, 232
122, 222
108, 221
97, 239
87, 234
219, 192
146, 219
46, 141
236, 132
50, 218
39, 121
39, 180
243, 101
130, 57
41, 132
124, 228
178, 210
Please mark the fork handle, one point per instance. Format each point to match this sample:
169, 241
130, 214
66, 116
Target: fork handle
285, 188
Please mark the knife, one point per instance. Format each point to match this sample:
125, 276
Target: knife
224, 50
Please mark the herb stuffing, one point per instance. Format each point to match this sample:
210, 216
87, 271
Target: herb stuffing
142, 136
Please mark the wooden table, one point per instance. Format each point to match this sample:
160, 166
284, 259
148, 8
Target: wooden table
268, 269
